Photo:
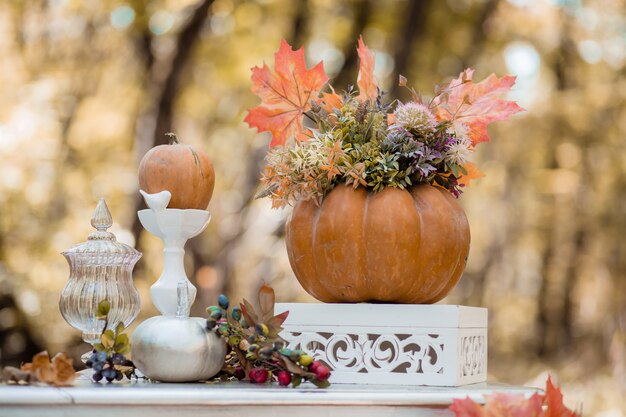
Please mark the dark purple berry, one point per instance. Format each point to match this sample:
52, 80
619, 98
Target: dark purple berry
240, 373
97, 366
89, 363
109, 374
97, 376
119, 376
117, 359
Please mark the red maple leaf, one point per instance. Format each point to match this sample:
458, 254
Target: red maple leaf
471, 107
285, 94
366, 81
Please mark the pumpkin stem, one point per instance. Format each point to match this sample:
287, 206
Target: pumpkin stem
173, 138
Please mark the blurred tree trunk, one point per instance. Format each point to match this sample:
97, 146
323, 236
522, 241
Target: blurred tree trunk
411, 31
348, 73
479, 34
497, 248
299, 29
554, 298
17, 344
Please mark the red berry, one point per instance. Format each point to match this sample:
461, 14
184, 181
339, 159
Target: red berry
258, 375
322, 372
284, 378
239, 373
315, 365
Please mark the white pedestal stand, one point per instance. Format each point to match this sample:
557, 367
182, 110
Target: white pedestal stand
174, 227
391, 344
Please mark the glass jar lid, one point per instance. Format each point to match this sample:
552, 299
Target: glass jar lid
101, 241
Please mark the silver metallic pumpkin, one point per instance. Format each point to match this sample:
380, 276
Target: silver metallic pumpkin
177, 348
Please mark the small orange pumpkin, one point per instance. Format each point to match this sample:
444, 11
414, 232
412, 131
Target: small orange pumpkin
395, 246
182, 170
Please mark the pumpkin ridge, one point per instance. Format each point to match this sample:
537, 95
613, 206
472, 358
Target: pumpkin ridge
457, 272
420, 278
462, 257
433, 288
455, 241
148, 178
366, 250
314, 244
196, 160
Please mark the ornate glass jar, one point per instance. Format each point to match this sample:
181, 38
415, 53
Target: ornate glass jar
100, 269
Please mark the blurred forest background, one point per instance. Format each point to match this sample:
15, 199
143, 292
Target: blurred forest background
87, 87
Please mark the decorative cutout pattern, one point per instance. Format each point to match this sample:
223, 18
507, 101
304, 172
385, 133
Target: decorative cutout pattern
473, 354
369, 353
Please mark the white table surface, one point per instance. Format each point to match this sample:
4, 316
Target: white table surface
236, 399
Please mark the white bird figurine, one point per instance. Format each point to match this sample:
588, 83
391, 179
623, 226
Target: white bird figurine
158, 201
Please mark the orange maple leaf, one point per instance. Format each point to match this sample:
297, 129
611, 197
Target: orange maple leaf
58, 371
471, 107
467, 408
472, 173
285, 94
516, 405
554, 401
331, 101
366, 80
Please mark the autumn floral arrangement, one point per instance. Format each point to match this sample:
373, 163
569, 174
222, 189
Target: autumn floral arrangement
322, 138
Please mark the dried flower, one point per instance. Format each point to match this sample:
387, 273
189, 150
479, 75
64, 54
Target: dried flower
416, 117
459, 152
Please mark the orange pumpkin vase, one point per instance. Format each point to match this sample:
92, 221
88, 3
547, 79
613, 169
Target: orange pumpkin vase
396, 246
187, 173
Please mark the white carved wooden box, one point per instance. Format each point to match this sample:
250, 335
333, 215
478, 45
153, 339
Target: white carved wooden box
436, 345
